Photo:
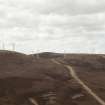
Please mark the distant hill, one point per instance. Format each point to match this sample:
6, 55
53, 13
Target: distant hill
48, 55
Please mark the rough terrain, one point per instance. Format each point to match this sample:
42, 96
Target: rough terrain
25, 79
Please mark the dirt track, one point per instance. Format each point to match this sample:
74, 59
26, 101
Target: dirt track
33, 101
74, 75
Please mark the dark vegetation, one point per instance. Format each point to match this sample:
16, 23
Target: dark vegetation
23, 76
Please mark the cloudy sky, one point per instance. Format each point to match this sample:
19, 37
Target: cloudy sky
53, 25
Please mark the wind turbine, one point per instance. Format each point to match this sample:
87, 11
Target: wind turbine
64, 54
13, 46
3, 46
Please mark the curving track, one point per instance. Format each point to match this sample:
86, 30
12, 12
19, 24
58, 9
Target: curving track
85, 87
33, 101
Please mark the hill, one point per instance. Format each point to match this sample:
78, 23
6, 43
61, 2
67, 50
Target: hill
23, 76
48, 55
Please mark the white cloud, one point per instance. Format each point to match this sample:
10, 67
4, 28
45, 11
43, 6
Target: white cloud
71, 7
73, 25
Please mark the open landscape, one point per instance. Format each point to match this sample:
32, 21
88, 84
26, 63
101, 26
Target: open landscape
52, 52
45, 79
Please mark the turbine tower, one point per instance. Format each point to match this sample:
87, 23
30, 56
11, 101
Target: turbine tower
37, 55
3, 46
64, 55
13, 46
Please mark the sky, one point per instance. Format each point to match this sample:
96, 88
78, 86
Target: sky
70, 26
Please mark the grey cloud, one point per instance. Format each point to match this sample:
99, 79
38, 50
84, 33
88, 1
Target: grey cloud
72, 7
73, 25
